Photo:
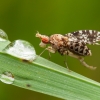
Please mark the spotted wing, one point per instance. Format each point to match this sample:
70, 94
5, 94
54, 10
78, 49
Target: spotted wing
85, 36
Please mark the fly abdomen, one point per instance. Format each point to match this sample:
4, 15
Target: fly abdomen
79, 48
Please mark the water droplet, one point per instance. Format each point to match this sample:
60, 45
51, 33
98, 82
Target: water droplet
7, 78
21, 49
3, 35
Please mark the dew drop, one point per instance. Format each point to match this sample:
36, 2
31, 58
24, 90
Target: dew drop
21, 49
7, 78
3, 35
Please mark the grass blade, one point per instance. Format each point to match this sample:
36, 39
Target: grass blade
49, 78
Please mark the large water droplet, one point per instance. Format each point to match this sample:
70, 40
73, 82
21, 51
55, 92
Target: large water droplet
7, 77
3, 35
21, 49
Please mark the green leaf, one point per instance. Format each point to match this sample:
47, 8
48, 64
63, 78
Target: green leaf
49, 78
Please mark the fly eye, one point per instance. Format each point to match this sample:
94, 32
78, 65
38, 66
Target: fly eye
45, 40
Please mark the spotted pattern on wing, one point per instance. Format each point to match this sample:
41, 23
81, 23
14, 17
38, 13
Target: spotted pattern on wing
85, 36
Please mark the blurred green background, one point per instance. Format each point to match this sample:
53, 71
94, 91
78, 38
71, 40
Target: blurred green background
20, 19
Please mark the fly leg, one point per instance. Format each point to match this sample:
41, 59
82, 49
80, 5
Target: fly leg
41, 53
85, 64
50, 50
81, 59
65, 61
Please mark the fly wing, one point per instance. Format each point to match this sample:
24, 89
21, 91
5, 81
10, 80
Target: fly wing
85, 36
